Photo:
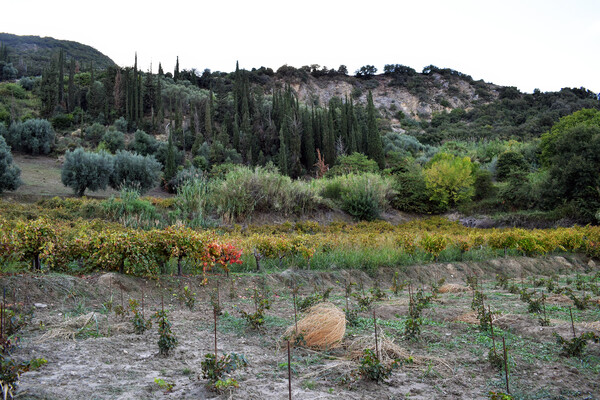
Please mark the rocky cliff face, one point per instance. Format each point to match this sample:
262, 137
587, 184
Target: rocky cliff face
417, 99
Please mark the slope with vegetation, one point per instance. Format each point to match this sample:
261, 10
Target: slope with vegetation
440, 139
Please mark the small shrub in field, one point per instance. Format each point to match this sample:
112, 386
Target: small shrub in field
164, 385
189, 297
140, 324
496, 361
500, 396
257, 319
167, 340
214, 369
371, 368
575, 346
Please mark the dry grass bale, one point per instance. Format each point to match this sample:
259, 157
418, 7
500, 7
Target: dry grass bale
558, 299
595, 325
70, 328
322, 328
472, 318
469, 318
388, 350
453, 288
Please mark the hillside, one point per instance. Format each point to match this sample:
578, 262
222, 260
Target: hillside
31, 54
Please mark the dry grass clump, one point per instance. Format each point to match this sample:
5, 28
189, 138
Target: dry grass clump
91, 322
453, 288
322, 328
558, 299
388, 350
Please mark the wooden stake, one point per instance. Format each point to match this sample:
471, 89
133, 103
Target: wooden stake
218, 296
289, 369
572, 324
142, 302
295, 310
376, 344
544, 305
215, 318
505, 365
492, 329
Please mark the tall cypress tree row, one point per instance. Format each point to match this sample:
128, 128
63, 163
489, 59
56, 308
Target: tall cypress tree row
328, 138
308, 143
374, 144
49, 89
61, 76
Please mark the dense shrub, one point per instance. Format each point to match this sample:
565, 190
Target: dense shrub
34, 136
355, 163
412, 193
510, 162
244, 190
450, 179
143, 143
114, 140
134, 171
9, 172
85, 170
483, 185
94, 133
364, 196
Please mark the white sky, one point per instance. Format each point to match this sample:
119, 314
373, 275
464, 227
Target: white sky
545, 44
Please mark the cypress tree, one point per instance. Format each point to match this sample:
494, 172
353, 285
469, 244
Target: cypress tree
61, 76
283, 152
48, 90
176, 72
170, 165
374, 144
208, 124
328, 138
308, 143
158, 97
71, 94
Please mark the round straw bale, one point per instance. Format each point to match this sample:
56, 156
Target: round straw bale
323, 327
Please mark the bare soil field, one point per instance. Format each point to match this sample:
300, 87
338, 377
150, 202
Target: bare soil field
93, 353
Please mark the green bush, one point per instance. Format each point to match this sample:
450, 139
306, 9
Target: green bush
134, 171
364, 196
244, 190
114, 140
143, 143
94, 133
9, 172
412, 193
85, 170
34, 136
510, 162
355, 163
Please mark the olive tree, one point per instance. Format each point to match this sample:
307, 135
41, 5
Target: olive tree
85, 170
9, 172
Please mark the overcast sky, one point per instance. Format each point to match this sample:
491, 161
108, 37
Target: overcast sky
545, 44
